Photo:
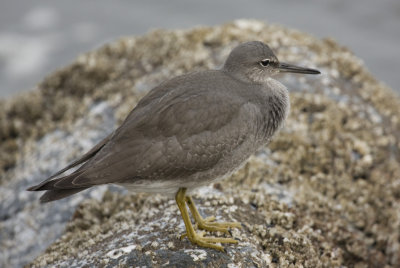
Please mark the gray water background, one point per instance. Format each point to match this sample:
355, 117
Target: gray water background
37, 37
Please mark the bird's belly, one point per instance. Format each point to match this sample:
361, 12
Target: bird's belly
167, 187
170, 187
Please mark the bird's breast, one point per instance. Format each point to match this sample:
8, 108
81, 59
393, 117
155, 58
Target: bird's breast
275, 108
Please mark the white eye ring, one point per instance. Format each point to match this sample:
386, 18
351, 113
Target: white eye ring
265, 63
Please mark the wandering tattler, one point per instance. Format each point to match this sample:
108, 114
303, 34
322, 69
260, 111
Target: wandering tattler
187, 132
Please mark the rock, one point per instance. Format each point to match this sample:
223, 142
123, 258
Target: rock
324, 193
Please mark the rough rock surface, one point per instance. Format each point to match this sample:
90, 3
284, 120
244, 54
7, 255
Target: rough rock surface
324, 193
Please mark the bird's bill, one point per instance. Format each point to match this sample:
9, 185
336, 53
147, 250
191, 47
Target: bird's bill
290, 68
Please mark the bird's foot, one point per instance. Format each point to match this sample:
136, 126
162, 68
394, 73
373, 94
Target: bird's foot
209, 224
209, 242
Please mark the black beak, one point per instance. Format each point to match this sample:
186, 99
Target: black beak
289, 68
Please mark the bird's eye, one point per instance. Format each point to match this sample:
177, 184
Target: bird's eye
265, 62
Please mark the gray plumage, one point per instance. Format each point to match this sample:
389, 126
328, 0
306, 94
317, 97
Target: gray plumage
188, 131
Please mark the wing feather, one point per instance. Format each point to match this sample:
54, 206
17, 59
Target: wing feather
185, 132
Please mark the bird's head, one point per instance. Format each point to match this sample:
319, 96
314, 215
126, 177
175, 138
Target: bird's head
255, 62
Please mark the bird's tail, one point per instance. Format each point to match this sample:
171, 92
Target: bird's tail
55, 193
52, 195
62, 187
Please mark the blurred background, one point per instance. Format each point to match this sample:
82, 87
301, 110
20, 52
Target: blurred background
37, 37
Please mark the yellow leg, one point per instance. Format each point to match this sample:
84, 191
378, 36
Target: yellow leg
207, 223
195, 238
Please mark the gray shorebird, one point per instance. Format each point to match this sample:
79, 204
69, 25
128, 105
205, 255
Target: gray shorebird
187, 132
